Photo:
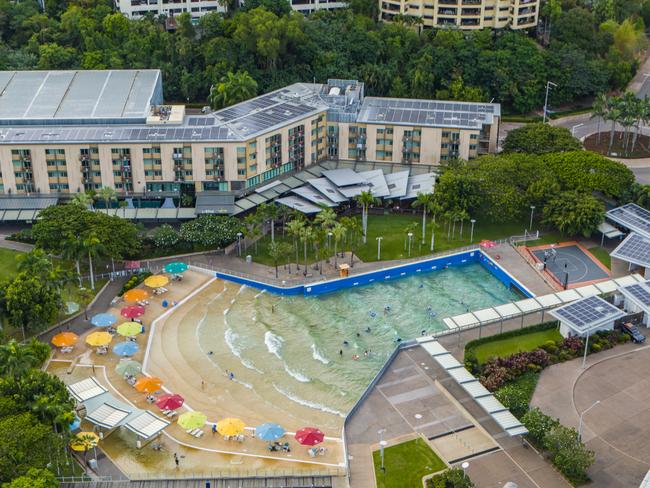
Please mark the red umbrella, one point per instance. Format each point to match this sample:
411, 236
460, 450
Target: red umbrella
170, 401
132, 311
309, 436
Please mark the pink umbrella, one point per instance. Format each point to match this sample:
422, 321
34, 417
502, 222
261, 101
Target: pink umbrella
132, 311
309, 436
487, 243
170, 401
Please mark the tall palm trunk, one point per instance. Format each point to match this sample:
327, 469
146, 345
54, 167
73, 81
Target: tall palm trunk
461, 228
424, 225
305, 270
92, 276
78, 266
611, 137
272, 230
335, 254
295, 245
364, 221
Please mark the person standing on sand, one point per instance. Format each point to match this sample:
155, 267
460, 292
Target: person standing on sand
176, 460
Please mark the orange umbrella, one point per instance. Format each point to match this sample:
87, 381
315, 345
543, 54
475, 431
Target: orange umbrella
135, 295
148, 384
65, 339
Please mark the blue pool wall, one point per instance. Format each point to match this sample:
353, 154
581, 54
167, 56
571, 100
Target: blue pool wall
389, 274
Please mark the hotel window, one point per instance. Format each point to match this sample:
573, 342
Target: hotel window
411, 146
273, 151
214, 165
357, 143
122, 171
182, 163
91, 173
241, 161
23, 172
297, 146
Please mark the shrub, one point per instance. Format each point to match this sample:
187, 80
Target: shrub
210, 231
23, 235
498, 371
165, 236
568, 454
550, 347
596, 347
450, 478
134, 281
516, 396
538, 424
572, 344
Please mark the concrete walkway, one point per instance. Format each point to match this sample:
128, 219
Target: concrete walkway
617, 429
15, 246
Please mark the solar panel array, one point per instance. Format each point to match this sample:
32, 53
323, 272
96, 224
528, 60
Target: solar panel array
635, 248
632, 217
583, 314
427, 113
640, 292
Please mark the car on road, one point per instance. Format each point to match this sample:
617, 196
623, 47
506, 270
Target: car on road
633, 332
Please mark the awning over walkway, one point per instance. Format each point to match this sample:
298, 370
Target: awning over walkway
86, 389
634, 249
213, 203
587, 314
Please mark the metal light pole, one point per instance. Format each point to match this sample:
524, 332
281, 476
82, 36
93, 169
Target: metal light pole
410, 235
382, 445
239, 234
584, 356
532, 211
465, 465
379, 248
582, 415
549, 84
471, 232
329, 238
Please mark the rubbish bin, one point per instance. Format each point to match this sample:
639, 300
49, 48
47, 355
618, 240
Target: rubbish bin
249, 259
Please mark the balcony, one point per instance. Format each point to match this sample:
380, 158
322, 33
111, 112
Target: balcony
471, 11
448, 2
472, 2
447, 11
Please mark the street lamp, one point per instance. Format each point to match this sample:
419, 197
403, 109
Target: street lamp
471, 232
239, 234
549, 84
382, 445
410, 235
465, 465
379, 248
582, 415
532, 211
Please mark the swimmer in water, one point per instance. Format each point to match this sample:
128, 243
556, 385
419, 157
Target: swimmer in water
358, 335
368, 330
210, 353
365, 353
346, 343
341, 352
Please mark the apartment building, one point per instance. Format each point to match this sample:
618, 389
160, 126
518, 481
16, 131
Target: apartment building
73, 131
465, 14
197, 8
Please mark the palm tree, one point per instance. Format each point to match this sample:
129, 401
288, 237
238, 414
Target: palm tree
108, 195
15, 359
269, 212
338, 231
276, 252
642, 116
294, 227
306, 235
94, 248
599, 110
424, 200
326, 218
613, 115
462, 216
232, 88
252, 228
355, 230
72, 249
435, 208
83, 200
365, 199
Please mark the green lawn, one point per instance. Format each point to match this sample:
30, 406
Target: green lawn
8, 263
511, 345
602, 255
392, 228
406, 464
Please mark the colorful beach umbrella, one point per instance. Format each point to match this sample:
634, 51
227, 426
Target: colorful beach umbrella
127, 348
99, 339
175, 268
65, 339
156, 281
309, 436
128, 366
230, 426
135, 295
132, 311
148, 384
84, 441
74, 425
103, 320
269, 431
192, 420
129, 329
170, 401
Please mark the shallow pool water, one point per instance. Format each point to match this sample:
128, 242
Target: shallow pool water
322, 351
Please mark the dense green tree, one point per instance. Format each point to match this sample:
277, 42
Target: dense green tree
210, 231
539, 139
232, 88
574, 213
34, 478
277, 7
31, 303
568, 454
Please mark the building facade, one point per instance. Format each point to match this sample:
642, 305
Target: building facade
129, 141
465, 14
197, 8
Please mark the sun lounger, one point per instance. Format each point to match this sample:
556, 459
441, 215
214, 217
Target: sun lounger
65, 350
312, 452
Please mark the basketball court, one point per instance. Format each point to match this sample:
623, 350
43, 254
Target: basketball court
569, 263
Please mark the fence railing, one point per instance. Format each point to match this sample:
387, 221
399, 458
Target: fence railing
242, 474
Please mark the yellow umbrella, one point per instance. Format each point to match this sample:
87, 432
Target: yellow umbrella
99, 339
192, 420
135, 295
65, 339
230, 427
148, 384
84, 441
129, 329
156, 281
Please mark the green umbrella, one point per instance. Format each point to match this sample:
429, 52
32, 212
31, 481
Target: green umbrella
129, 367
129, 329
175, 268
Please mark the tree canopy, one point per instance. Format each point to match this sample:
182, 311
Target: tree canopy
540, 139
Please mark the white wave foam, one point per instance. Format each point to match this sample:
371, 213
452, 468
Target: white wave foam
316, 354
307, 403
244, 384
295, 374
273, 343
260, 294
225, 312
242, 288
231, 337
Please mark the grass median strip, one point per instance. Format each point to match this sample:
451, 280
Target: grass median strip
406, 464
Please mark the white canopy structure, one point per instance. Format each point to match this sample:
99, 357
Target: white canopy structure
86, 389
586, 316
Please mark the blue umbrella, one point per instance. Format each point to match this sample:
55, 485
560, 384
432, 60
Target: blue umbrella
175, 268
269, 431
103, 320
75, 423
127, 348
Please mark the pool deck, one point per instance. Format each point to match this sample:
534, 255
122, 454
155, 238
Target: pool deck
210, 456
